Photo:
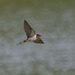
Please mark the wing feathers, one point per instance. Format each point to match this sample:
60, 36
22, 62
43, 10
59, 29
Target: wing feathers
38, 41
28, 29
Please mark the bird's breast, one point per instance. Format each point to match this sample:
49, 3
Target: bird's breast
33, 38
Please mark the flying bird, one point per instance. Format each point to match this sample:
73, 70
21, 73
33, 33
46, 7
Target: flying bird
31, 35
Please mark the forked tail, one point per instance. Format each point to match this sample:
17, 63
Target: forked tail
21, 42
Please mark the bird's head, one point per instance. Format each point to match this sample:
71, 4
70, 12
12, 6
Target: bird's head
38, 35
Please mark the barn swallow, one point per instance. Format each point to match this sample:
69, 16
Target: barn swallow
31, 35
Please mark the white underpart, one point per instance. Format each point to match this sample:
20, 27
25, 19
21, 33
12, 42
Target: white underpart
32, 38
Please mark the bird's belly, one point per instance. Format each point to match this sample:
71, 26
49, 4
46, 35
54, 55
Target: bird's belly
32, 38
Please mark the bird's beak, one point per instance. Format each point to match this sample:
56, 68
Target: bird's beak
40, 35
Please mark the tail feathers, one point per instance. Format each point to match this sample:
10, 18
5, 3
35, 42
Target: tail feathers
21, 42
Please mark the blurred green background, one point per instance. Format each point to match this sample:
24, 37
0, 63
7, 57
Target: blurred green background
55, 20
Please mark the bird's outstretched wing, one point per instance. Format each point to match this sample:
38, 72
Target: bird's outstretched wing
38, 41
28, 29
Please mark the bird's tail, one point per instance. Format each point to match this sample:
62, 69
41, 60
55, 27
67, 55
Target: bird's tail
21, 42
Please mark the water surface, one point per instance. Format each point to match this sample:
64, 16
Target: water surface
55, 20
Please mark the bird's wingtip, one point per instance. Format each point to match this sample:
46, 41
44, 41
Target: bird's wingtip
24, 20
